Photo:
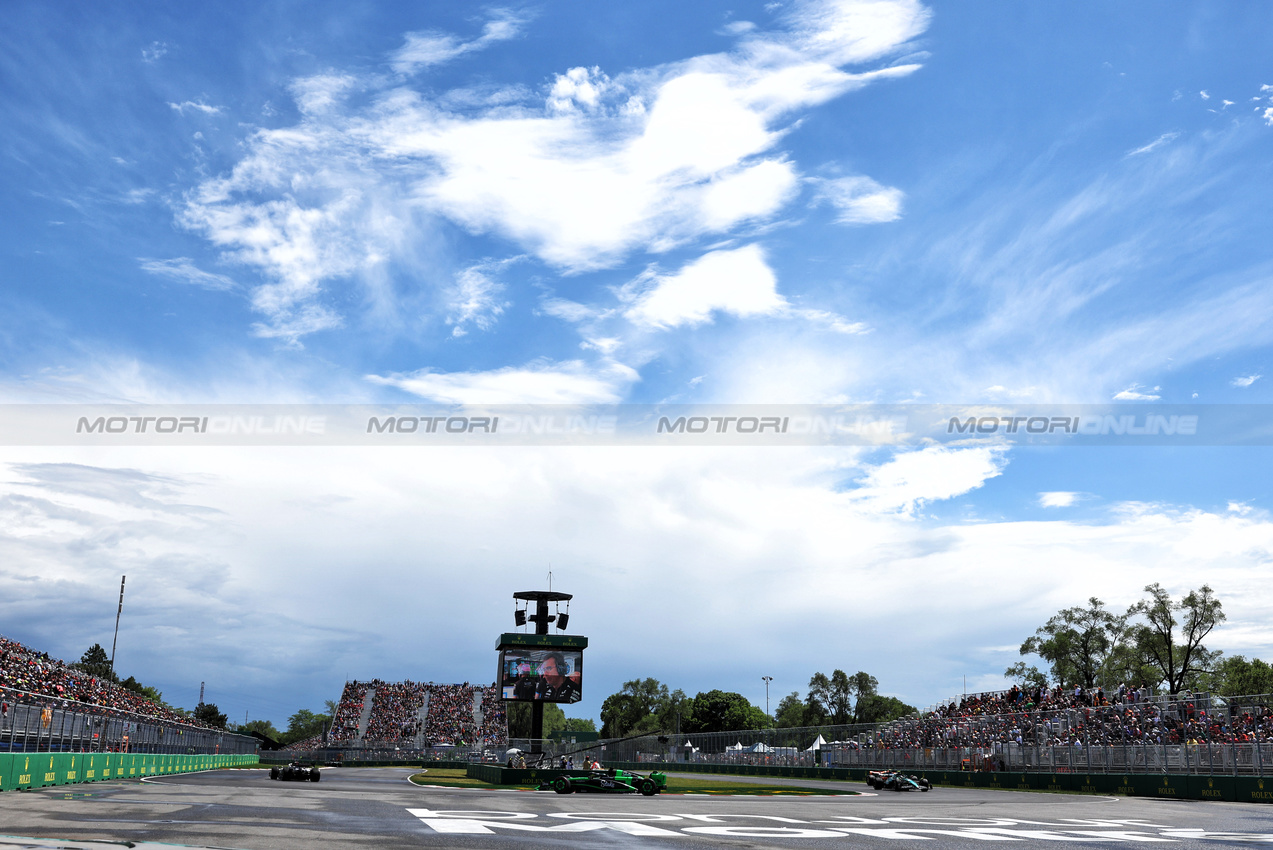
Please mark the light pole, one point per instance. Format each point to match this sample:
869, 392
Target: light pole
767, 679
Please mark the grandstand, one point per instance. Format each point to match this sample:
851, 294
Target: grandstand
23, 671
417, 715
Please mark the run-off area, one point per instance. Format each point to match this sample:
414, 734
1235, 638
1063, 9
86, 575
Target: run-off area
773, 827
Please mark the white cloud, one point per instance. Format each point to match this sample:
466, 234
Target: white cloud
1204, 95
647, 161
579, 89
426, 49
195, 106
1133, 393
911, 479
154, 52
564, 308
543, 382
860, 200
268, 536
474, 299
831, 321
1268, 116
1058, 499
738, 282
1165, 138
184, 270
850, 31
1245, 381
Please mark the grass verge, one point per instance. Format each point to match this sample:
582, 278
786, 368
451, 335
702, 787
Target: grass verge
448, 778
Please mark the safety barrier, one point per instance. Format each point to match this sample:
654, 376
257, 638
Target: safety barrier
21, 771
33, 722
1241, 789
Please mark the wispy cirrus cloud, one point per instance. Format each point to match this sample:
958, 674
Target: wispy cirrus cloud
431, 47
1245, 380
860, 200
1134, 393
195, 106
1164, 139
475, 299
183, 270
540, 382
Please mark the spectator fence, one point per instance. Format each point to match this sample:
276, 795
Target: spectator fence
36, 723
1190, 734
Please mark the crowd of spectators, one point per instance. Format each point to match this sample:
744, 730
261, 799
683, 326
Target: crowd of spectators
38, 676
456, 714
1057, 717
348, 714
395, 711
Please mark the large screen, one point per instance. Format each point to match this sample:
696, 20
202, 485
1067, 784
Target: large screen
543, 675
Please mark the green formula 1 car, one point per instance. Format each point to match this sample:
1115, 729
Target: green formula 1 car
896, 781
612, 781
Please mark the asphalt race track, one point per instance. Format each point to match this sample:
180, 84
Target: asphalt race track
378, 807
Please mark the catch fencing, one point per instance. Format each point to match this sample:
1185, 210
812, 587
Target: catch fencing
33, 723
1200, 734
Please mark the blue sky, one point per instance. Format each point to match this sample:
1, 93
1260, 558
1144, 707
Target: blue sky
811, 202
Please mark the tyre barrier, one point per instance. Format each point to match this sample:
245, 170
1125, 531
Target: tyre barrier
22, 771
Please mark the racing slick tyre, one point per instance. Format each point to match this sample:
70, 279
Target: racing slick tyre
925, 785
562, 785
648, 788
313, 775
273, 773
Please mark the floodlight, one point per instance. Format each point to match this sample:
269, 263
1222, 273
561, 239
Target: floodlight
519, 617
562, 620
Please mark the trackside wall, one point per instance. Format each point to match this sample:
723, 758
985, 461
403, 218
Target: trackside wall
20, 771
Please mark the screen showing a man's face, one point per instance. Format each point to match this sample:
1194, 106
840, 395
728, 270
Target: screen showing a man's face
541, 675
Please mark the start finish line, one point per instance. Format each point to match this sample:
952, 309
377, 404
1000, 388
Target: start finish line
478, 822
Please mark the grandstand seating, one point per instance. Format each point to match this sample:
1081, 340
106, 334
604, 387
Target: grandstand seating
27, 672
418, 714
1059, 718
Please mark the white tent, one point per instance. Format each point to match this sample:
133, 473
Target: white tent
760, 747
736, 748
817, 744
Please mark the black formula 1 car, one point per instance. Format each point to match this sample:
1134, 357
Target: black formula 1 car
896, 781
295, 772
612, 781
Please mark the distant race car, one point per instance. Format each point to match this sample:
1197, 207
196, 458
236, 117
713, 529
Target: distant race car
896, 781
295, 772
612, 781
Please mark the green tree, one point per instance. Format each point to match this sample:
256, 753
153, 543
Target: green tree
1076, 642
817, 703
1172, 633
840, 697
790, 712
642, 705
721, 711
865, 688
1026, 675
303, 724
97, 663
264, 727
875, 708
209, 714
519, 718
580, 724
1236, 676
